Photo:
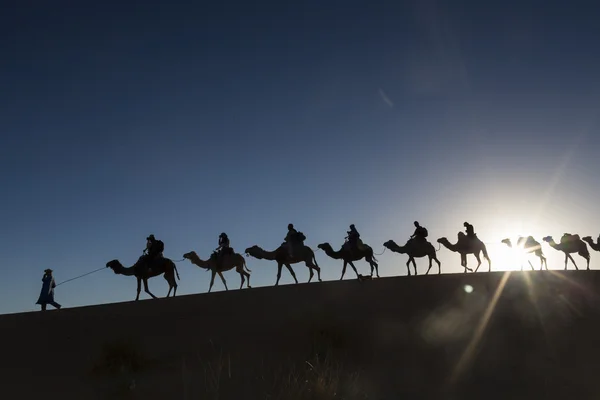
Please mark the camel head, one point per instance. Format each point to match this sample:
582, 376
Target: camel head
389, 243
325, 246
442, 240
587, 239
115, 265
548, 239
506, 242
190, 255
254, 251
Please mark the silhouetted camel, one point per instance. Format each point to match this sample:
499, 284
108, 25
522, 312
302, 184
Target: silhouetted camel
415, 249
590, 241
350, 256
228, 262
465, 246
157, 267
529, 245
570, 244
282, 257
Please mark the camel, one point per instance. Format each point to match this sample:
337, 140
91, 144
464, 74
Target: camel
157, 267
352, 255
529, 245
466, 246
590, 241
570, 244
281, 255
415, 249
229, 262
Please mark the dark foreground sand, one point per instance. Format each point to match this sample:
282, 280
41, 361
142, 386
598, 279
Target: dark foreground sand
390, 338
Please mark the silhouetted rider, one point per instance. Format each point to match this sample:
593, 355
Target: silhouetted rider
353, 237
290, 239
153, 250
420, 232
223, 247
223, 242
469, 230
154, 247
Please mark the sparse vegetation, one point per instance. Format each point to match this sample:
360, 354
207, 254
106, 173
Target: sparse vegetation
322, 375
120, 356
122, 360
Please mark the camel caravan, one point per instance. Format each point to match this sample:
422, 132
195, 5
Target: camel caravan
293, 251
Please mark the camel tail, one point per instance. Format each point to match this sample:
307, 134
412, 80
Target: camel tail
373, 256
176, 272
315, 260
485, 253
244, 265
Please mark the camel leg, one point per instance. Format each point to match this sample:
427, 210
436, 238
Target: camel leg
587, 258
439, 265
212, 280
317, 268
408, 267
247, 279
531, 265
356, 271
543, 262
414, 263
310, 271
478, 261
567, 258
279, 266
344, 269
289, 267
148, 290
171, 281
139, 289
223, 280
430, 264
242, 279
374, 266
463, 263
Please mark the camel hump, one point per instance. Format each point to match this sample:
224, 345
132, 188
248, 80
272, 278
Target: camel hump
569, 237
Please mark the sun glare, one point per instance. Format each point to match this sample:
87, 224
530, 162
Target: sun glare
510, 258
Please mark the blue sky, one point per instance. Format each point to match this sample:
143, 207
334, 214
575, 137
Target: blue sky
123, 119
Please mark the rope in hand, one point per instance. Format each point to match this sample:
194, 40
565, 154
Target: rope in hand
94, 271
81, 276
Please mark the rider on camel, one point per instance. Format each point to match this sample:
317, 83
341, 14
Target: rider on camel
223, 247
469, 230
290, 239
154, 249
420, 232
353, 237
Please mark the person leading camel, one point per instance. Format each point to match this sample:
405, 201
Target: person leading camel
47, 293
420, 232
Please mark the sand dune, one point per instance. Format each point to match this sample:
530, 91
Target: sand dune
441, 336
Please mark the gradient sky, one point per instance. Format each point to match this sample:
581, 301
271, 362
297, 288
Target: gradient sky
121, 119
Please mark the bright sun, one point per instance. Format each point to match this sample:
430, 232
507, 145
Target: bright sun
510, 258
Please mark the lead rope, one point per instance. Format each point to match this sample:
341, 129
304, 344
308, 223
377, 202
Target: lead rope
81, 276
